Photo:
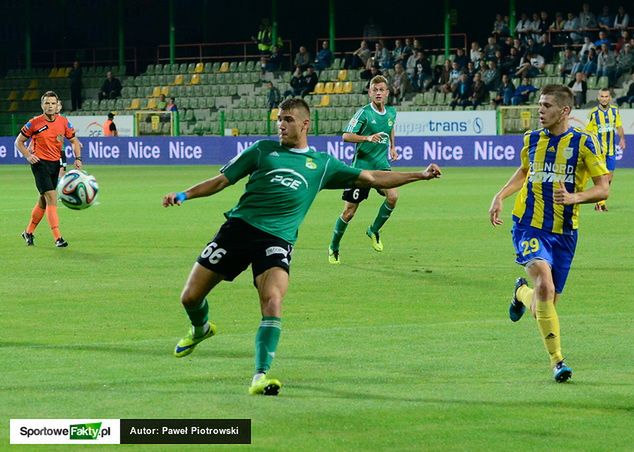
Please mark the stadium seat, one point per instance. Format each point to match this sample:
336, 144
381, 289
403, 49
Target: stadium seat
208, 67
151, 104
329, 88
195, 80
342, 75
178, 79
233, 66
199, 68
325, 101
224, 67
250, 66
165, 90
319, 88
156, 92
338, 88
135, 104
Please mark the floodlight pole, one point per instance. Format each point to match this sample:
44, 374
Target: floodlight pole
331, 21
172, 30
447, 17
273, 23
121, 33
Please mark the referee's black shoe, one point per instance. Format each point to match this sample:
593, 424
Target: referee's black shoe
61, 243
28, 238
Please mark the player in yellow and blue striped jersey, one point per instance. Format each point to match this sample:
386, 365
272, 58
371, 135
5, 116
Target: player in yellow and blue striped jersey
556, 163
604, 121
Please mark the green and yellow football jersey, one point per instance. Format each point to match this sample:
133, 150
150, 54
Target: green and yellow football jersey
368, 121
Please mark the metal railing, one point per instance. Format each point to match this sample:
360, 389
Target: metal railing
91, 56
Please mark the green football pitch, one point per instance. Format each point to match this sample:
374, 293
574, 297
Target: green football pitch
409, 349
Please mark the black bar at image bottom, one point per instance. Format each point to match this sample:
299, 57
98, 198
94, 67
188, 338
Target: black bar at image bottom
185, 431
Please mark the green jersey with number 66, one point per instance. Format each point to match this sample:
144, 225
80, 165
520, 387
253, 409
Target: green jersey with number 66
282, 185
368, 121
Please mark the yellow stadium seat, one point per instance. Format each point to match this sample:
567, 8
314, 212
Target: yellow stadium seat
338, 88
13, 95
195, 80
156, 92
224, 67
135, 104
151, 104
319, 88
342, 76
33, 84
325, 101
273, 115
347, 87
178, 80
199, 68
64, 72
329, 88
52, 73
15, 106
165, 90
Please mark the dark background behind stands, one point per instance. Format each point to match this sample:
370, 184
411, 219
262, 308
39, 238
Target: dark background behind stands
91, 23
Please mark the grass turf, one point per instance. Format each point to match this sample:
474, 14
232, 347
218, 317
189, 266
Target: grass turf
409, 349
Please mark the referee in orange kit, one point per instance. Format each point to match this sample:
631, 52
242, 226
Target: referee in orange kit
47, 133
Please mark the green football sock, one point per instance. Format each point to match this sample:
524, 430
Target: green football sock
384, 213
199, 317
340, 229
266, 340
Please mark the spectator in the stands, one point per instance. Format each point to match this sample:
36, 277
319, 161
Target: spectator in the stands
622, 19
461, 58
490, 48
511, 61
587, 19
161, 104
382, 55
523, 92
309, 80
568, 62
423, 73
531, 66
587, 45
603, 39
605, 20
532, 46
579, 88
546, 49
475, 54
171, 104
534, 27
400, 85
491, 75
590, 63
629, 96
500, 26
75, 77
398, 53
274, 62
407, 49
302, 59
523, 27
573, 27
461, 92
273, 96
410, 64
606, 64
470, 70
324, 57
359, 58
441, 77
454, 74
624, 60
296, 83
622, 40
416, 46
479, 92
505, 92
111, 87
369, 74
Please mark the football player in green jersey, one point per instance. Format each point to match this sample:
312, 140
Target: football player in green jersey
283, 180
372, 129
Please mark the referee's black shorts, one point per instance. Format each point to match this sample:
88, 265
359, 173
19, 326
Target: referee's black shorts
46, 174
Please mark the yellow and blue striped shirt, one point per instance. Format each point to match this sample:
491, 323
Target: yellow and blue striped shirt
572, 158
603, 124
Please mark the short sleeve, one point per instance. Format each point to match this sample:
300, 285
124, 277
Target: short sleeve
591, 155
357, 122
27, 129
524, 158
592, 125
618, 122
339, 175
69, 130
242, 164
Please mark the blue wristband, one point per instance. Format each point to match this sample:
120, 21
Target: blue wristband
180, 196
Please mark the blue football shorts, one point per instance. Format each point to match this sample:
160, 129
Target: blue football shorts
556, 249
610, 162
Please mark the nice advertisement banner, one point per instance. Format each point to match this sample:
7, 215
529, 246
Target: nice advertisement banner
412, 151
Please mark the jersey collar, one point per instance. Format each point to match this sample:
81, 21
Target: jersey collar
299, 151
377, 111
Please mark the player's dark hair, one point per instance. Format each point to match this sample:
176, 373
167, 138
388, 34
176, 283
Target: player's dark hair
49, 94
295, 103
562, 94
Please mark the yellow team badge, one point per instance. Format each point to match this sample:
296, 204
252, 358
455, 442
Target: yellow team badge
310, 164
390, 122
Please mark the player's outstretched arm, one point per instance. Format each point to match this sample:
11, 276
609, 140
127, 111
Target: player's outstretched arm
392, 179
598, 192
514, 184
205, 188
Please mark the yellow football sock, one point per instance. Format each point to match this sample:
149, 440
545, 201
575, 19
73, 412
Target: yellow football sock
525, 295
548, 324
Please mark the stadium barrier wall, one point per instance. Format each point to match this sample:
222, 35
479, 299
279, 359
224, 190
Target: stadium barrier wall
413, 151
